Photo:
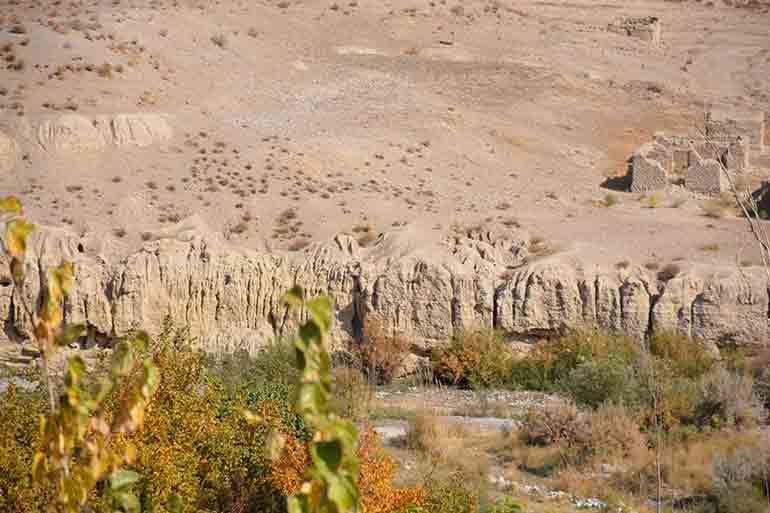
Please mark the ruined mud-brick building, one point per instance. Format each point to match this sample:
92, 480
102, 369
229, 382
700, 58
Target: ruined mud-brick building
647, 28
698, 162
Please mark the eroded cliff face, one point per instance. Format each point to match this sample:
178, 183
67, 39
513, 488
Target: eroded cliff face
231, 299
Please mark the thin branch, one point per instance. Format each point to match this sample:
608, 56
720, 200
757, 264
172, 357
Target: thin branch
747, 204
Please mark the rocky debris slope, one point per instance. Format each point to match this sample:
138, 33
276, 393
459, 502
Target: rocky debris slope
231, 298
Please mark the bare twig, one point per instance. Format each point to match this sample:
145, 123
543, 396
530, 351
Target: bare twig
747, 204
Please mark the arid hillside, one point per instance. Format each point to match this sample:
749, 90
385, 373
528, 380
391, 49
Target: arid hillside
281, 123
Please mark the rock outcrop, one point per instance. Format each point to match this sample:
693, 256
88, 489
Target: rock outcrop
231, 299
72, 133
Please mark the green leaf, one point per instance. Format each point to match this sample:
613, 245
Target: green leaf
75, 368
16, 233
11, 205
38, 467
320, 309
151, 379
128, 502
60, 278
330, 453
294, 297
296, 505
309, 332
342, 491
122, 479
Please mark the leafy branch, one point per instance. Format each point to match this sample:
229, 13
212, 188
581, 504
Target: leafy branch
330, 482
75, 453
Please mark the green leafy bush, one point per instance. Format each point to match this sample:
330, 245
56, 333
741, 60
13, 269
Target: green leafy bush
594, 382
688, 358
450, 494
551, 362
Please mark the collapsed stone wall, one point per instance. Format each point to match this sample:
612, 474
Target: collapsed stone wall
696, 161
646, 28
647, 173
706, 177
231, 299
721, 125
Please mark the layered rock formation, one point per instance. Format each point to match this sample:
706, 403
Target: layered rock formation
231, 299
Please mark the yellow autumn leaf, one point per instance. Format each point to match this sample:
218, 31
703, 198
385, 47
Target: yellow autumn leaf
16, 233
11, 205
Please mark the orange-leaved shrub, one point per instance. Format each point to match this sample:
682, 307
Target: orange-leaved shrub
375, 476
473, 358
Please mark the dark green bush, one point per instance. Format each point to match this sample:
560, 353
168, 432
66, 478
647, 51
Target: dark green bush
551, 363
609, 379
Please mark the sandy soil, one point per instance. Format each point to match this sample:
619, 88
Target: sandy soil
295, 120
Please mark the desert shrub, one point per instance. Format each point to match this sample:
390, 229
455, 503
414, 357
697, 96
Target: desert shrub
194, 445
742, 498
382, 350
375, 475
689, 463
437, 438
18, 440
741, 480
352, 393
375, 480
505, 504
450, 494
274, 363
609, 433
744, 464
727, 399
762, 386
550, 363
688, 357
614, 432
560, 423
594, 382
478, 359
195, 442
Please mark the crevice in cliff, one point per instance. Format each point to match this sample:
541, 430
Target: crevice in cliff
596, 301
217, 306
248, 301
654, 298
112, 297
357, 321
495, 295
10, 322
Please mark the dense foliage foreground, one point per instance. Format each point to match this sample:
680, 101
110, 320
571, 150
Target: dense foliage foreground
666, 413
